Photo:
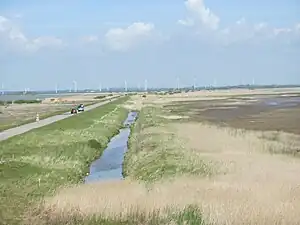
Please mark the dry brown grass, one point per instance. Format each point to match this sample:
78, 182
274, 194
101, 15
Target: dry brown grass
220, 95
259, 188
78, 98
214, 139
17, 113
251, 185
238, 92
135, 103
223, 200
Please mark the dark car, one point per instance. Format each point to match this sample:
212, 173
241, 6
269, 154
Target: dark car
80, 108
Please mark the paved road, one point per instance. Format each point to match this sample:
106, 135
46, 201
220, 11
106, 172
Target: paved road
27, 127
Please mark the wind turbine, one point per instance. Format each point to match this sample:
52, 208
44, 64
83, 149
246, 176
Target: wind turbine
125, 86
75, 85
100, 87
2, 89
215, 82
194, 85
146, 85
56, 88
177, 81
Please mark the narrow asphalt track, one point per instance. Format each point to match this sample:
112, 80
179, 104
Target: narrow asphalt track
27, 127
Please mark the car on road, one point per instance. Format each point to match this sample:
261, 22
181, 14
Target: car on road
80, 108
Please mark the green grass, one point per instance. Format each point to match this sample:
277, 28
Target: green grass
37, 163
22, 122
17, 123
158, 153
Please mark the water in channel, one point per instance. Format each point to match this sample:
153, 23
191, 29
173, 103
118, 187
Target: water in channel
285, 102
109, 165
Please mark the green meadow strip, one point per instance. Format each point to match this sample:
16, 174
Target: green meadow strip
37, 163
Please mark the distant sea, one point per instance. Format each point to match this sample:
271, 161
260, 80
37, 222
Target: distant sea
12, 97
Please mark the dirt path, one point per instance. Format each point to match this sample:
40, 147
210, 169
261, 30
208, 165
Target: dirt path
27, 127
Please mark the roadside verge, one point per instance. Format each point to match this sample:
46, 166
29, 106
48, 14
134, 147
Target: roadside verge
45, 121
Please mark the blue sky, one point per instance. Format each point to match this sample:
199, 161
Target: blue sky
47, 42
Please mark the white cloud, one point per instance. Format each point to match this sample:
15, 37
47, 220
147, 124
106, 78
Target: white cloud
242, 31
45, 42
11, 34
260, 26
90, 38
18, 16
241, 21
200, 14
278, 31
297, 27
187, 22
122, 39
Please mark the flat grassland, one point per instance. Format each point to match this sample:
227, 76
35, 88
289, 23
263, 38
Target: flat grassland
35, 164
187, 164
13, 115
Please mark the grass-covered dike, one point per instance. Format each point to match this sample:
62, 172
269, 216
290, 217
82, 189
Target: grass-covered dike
37, 163
156, 153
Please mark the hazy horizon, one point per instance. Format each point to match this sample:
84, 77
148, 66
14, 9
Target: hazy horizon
213, 42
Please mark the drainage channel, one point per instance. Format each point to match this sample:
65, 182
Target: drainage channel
110, 164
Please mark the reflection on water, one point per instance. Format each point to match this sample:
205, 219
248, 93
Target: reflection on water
283, 102
109, 165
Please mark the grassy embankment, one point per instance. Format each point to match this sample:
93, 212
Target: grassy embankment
35, 164
19, 122
156, 152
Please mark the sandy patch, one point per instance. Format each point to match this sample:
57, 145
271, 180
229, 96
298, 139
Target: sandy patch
75, 98
135, 103
221, 107
174, 117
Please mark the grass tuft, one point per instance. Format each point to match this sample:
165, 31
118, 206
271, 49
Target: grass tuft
189, 215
